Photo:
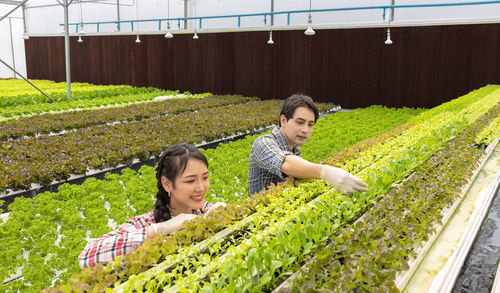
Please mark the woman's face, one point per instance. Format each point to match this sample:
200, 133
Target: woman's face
190, 187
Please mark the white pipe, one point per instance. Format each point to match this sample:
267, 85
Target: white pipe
12, 47
82, 1
14, 9
24, 21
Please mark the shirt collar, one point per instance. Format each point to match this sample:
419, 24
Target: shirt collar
282, 142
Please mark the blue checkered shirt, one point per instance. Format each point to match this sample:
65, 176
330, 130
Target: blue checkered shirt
266, 157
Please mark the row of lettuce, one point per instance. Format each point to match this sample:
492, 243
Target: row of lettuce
18, 92
76, 212
45, 158
268, 237
53, 123
18, 98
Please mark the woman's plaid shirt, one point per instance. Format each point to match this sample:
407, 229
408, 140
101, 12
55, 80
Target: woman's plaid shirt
121, 241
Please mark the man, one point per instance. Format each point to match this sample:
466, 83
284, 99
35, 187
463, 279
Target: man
276, 156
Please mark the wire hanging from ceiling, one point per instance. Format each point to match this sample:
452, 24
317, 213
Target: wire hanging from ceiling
80, 28
388, 41
195, 37
168, 35
137, 40
309, 31
82, 31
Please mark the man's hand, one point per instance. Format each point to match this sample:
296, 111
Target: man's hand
173, 224
213, 208
343, 181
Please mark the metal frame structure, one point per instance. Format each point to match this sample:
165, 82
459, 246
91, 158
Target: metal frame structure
18, 4
391, 7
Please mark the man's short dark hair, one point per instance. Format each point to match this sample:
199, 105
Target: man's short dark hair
295, 101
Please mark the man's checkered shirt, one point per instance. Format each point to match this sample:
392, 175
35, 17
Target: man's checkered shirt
266, 157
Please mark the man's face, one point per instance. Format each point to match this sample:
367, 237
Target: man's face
297, 129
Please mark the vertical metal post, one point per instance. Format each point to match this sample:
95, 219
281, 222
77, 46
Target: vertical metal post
392, 10
24, 22
272, 10
12, 47
185, 13
118, 13
66, 47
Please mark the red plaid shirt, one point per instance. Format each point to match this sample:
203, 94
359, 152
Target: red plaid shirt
121, 241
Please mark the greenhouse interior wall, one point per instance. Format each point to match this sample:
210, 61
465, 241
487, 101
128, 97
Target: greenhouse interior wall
424, 67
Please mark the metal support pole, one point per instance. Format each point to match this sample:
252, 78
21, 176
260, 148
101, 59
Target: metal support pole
66, 47
118, 13
185, 13
26, 80
12, 47
24, 21
8, 13
272, 10
392, 9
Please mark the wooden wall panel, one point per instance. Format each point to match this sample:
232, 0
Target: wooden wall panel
424, 67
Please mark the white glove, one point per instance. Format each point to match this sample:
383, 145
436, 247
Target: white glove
342, 180
214, 207
173, 224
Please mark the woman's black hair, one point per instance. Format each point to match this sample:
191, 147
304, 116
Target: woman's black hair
295, 101
172, 163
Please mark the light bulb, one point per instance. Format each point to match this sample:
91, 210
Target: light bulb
82, 32
195, 37
80, 39
137, 40
25, 36
388, 41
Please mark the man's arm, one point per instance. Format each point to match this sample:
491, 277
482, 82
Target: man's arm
295, 166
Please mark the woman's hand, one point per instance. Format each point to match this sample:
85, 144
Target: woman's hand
169, 226
213, 208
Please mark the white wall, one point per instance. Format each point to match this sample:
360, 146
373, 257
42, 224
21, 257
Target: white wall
15, 22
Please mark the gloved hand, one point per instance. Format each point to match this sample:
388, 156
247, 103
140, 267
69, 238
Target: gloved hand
173, 224
342, 180
214, 207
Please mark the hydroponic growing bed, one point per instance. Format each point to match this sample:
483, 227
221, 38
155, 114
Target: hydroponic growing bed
416, 163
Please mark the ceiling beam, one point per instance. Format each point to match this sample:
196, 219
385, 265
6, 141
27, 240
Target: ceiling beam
12, 2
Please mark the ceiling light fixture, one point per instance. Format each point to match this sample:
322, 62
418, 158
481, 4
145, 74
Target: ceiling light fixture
195, 37
270, 41
309, 31
168, 35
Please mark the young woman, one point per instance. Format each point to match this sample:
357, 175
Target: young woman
182, 175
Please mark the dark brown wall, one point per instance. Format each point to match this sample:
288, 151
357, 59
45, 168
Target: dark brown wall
352, 67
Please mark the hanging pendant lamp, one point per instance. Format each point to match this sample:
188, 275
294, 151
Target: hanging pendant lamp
309, 31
